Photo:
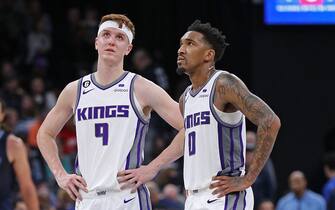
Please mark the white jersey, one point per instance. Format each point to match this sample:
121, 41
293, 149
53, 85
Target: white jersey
214, 141
110, 130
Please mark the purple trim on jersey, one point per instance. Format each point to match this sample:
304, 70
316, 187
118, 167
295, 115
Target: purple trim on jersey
226, 202
144, 204
242, 148
236, 200
146, 196
76, 164
245, 202
221, 146
131, 97
216, 116
128, 157
232, 168
127, 163
78, 94
104, 87
139, 148
139, 198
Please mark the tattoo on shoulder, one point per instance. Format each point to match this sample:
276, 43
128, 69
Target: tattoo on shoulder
235, 91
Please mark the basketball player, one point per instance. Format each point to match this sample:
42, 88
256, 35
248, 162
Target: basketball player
214, 109
14, 159
112, 109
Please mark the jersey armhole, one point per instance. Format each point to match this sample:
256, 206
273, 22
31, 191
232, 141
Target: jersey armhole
184, 94
78, 94
215, 110
135, 104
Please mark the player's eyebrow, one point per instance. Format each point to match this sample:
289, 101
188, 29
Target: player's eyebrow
187, 39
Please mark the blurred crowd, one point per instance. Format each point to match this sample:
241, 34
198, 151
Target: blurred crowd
30, 84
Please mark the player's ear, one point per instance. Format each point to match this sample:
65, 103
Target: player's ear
209, 55
96, 45
130, 47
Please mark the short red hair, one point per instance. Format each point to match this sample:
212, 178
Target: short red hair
120, 19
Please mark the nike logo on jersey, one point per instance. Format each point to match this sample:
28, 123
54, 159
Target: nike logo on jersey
86, 91
211, 201
126, 201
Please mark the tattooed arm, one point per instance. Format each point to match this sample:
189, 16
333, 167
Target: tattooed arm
232, 94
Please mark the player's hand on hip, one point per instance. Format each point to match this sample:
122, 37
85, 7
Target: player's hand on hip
224, 185
134, 178
71, 183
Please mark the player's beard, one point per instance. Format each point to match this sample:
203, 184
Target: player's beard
180, 70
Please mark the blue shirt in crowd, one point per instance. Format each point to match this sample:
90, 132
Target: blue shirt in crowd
309, 201
328, 188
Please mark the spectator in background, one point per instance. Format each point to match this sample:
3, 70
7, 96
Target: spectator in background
266, 205
144, 65
73, 38
300, 198
12, 31
39, 43
12, 93
64, 202
331, 201
171, 198
35, 156
7, 71
36, 13
329, 170
155, 196
68, 144
86, 41
27, 116
43, 99
90, 26
168, 175
265, 185
12, 118
13, 158
46, 198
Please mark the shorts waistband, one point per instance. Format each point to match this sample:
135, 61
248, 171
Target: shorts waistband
98, 193
196, 191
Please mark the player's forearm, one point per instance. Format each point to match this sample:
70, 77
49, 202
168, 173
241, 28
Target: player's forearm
173, 152
30, 196
49, 150
266, 136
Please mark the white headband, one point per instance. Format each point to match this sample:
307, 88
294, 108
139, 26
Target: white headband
114, 24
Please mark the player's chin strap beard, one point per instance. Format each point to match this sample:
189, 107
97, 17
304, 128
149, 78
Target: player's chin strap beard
180, 71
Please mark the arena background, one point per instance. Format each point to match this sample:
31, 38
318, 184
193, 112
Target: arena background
290, 67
